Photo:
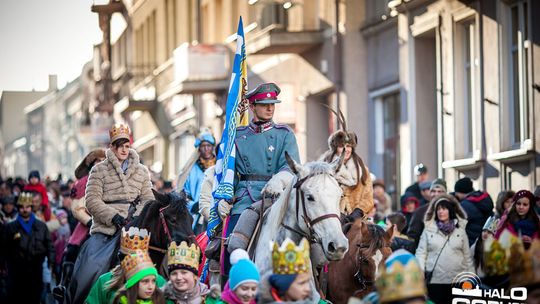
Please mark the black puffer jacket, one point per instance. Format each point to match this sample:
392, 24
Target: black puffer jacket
23, 250
479, 208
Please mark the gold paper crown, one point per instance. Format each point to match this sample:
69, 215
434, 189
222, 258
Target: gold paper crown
184, 255
119, 131
289, 258
25, 199
401, 278
136, 262
134, 239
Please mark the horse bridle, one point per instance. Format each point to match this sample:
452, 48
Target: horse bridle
167, 232
364, 284
311, 236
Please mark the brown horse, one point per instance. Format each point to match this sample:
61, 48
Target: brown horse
355, 274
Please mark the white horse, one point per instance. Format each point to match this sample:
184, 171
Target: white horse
309, 207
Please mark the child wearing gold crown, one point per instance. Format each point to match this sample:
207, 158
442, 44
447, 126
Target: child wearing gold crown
140, 286
291, 278
107, 285
184, 286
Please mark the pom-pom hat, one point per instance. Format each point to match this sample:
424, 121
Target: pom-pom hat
243, 269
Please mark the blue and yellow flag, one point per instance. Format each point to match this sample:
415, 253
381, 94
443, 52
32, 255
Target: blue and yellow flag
236, 115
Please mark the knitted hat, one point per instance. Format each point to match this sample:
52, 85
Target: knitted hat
424, 186
60, 214
34, 173
420, 169
84, 167
464, 185
243, 269
524, 193
379, 182
136, 266
439, 182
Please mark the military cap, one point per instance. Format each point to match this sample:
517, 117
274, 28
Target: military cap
265, 93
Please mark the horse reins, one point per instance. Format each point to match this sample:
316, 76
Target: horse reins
312, 236
358, 275
167, 232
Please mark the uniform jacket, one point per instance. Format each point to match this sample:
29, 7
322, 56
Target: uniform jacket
24, 250
360, 196
455, 256
260, 150
108, 183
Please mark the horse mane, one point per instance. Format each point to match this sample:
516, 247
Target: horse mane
377, 237
278, 211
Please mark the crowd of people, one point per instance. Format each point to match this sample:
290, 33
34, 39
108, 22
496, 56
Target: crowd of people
48, 226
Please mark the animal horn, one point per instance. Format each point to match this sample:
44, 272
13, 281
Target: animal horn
339, 116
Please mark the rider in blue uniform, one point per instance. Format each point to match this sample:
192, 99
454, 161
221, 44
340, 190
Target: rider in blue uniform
260, 166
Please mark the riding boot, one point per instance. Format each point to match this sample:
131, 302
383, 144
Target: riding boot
59, 292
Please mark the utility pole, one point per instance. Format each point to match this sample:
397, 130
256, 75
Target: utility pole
105, 11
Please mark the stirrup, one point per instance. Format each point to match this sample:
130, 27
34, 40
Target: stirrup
59, 293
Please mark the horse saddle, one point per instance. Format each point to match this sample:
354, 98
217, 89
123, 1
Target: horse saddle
246, 232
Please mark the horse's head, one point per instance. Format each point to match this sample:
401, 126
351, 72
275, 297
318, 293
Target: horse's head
176, 215
317, 205
373, 247
167, 219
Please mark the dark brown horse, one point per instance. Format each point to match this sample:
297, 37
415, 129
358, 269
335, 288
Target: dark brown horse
167, 219
355, 274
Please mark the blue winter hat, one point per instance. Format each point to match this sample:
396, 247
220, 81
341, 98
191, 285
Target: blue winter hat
243, 270
205, 137
282, 282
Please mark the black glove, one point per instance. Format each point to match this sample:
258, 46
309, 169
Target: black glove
89, 223
118, 220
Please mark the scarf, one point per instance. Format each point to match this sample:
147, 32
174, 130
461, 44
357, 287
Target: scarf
27, 225
196, 295
230, 297
125, 165
526, 227
206, 163
124, 300
447, 227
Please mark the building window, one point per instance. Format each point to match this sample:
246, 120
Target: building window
387, 120
466, 88
517, 45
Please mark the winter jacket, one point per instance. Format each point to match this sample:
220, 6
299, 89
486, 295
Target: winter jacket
22, 250
354, 196
402, 242
479, 207
414, 189
455, 257
99, 293
196, 296
78, 204
108, 183
416, 224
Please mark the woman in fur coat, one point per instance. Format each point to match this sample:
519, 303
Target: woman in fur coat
353, 175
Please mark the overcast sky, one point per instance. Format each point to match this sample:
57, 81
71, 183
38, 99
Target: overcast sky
42, 37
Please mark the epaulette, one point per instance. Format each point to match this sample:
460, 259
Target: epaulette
283, 127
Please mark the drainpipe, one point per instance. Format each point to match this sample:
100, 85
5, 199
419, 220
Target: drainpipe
483, 152
440, 103
338, 63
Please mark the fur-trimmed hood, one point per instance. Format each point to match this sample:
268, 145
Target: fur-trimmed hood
430, 213
340, 138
